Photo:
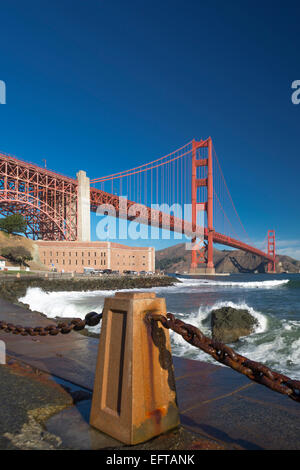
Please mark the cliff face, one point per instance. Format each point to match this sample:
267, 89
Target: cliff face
177, 259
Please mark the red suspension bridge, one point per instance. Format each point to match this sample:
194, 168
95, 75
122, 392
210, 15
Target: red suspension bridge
184, 192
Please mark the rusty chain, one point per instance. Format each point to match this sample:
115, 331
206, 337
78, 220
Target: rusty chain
222, 353
76, 324
219, 351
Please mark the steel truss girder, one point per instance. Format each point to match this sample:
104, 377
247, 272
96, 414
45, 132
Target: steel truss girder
48, 201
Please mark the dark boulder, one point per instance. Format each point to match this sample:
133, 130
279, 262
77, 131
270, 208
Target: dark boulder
229, 324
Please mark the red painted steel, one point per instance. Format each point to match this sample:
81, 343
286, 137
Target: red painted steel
48, 201
195, 251
148, 216
210, 225
202, 254
271, 251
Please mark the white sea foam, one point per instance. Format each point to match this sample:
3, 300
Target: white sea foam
276, 345
278, 350
200, 319
66, 304
70, 304
246, 284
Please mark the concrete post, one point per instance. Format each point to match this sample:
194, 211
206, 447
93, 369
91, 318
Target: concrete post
134, 396
83, 208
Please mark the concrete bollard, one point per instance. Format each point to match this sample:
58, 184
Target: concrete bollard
134, 397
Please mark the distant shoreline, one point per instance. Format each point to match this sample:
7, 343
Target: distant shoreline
14, 289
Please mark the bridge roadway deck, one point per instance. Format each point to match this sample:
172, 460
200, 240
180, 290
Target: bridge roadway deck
219, 405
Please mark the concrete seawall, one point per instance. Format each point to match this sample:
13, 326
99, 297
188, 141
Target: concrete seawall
214, 402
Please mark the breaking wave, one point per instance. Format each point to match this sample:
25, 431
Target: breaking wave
246, 284
275, 341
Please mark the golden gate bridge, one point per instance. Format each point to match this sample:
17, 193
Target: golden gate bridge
168, 192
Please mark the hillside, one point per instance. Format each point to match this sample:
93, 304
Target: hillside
18, 240
177, 259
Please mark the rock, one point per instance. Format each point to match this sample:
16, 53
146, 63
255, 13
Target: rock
229, 324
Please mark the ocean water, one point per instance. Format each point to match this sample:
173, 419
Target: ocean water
273, 299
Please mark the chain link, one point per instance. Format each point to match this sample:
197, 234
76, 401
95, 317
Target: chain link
224, 354
91, 319
219, 351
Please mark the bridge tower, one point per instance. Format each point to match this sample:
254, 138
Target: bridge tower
202, 253
271, 251
83, 207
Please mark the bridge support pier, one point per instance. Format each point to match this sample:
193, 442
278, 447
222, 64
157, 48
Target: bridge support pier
83, 208
199, 264
271, 251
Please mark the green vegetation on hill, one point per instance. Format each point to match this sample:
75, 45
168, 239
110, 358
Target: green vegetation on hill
165, 264
8, 241
14, 223
16, 254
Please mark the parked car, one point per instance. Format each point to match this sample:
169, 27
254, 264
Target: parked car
130, 273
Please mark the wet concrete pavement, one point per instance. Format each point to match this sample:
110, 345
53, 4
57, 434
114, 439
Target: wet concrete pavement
27, 400
219, 408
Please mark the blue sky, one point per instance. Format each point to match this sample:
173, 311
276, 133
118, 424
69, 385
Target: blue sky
104, 85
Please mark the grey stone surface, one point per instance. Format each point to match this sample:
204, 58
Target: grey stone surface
217, 404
